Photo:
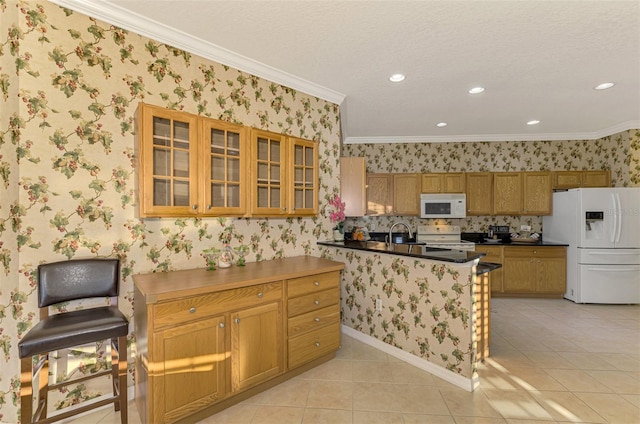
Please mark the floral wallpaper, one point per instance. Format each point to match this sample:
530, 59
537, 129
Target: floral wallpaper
70, 86
619, 153
426, 305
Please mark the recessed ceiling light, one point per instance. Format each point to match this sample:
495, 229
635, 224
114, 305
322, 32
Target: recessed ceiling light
533, 122
396, 78
441, 124
603, 86
476, 90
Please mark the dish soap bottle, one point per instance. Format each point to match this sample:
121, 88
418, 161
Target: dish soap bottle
226, 257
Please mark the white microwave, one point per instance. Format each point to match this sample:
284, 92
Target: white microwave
453, 205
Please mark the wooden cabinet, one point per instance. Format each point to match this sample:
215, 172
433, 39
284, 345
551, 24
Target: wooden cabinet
537, 193
522, 193
507, 193
353, 182
453, 182
284, 175
203, 345
535, 270
314, 317
406, 194
256, 345
379, 194
479, 189
493, 254
563, 180
189, 165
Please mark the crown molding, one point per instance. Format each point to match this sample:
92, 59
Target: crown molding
625, 126
122, 18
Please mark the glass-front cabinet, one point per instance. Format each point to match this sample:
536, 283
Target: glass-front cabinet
189, 165
167, 145
303, 187
284, 177
224, 162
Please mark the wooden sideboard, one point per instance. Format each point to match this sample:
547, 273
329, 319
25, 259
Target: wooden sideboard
206, 340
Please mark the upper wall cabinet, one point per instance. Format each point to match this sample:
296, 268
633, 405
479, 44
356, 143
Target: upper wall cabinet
167, 143
379, 194
453, 182
353, 183
537, 193
284, 175
563, 180
507, 193
479, 188
406, 194
522, 193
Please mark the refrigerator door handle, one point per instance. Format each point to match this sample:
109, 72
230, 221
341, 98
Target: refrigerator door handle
614, 269
618, 217
614, 226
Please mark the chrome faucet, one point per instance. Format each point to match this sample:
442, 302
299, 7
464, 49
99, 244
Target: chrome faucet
394, 226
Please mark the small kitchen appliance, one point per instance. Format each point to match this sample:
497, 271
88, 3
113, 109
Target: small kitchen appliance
452, 205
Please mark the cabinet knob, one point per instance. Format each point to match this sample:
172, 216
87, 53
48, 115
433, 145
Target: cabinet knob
316, 283
222, 325
317, 302
316, 319
208, 207
237, 320
194, 207
260, 295
192, 310
284, 209
317, 344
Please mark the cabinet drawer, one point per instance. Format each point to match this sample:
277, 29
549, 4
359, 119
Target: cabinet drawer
197, 307
313, 320
310, 346
534, 252
313, 301
312, 283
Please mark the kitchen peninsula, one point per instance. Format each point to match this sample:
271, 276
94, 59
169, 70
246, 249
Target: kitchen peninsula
421, 304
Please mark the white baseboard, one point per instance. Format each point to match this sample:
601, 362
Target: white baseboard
468, 384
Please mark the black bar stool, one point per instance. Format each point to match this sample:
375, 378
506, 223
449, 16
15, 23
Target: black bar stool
61, 282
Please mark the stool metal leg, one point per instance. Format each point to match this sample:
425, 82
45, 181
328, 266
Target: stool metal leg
26, 390
122, 378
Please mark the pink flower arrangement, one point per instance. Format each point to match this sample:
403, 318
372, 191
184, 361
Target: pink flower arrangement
336, 211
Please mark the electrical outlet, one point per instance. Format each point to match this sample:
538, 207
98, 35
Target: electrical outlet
379, 305
525, 228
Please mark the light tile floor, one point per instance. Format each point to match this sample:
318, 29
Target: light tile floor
551, 361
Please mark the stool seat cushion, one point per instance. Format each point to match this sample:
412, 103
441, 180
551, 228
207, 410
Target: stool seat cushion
73, 328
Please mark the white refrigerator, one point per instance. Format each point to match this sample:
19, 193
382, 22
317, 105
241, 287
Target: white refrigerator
602, 228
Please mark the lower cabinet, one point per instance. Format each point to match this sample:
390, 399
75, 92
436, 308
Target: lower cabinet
538, 271
196, 351
493, 254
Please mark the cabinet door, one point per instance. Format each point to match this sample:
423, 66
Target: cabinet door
453, 182
519, 270
406, 194
537, 193
479, 189
596, 179
268, 173
191, 373
379, 194
431, 183
493, 254
303, 180
507, 193
567, 179
257, 345
551, 275
168, 168
224, 164
353, 183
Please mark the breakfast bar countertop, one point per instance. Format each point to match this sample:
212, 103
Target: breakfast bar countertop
414, 250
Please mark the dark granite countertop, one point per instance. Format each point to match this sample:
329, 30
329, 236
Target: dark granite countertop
484, 267
505, 240
418, 251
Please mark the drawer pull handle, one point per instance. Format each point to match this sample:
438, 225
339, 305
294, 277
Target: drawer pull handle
317, 302
260, 295
317, 344
237, 320
317, 283
192, 310
317, 319
222, 325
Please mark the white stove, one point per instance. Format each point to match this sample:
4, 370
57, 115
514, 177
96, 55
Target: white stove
443, 237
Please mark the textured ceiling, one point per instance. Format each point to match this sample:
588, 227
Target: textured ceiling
536, 59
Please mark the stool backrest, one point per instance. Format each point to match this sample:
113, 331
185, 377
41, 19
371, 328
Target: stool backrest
77, 279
